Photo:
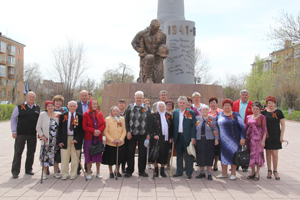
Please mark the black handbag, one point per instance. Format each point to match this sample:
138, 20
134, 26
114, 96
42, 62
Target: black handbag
154, 153
242, 157
96, 148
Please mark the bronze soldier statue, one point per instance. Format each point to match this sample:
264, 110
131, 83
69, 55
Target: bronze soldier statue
151, 46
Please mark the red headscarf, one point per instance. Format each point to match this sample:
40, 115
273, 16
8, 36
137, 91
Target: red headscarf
94, 112
47, 103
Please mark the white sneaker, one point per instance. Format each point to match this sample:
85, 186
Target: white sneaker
88, 176
149, 166
57, 175
221, 176
232, 177
44, 176
99, 176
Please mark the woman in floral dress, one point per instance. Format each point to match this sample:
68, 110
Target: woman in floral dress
256, 134
47, 129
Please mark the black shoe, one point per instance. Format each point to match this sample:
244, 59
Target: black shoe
215, 169
245, 169
162, 172
78, 172
251, 177
58, 171
156, 172
29, 173
48, 172
124, 171
209, 177
201, 176
118, 174
15, 176
127, 175
188, 177
144, 174
111, 175
177, 175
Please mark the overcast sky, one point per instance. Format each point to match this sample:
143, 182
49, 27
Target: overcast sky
230, 32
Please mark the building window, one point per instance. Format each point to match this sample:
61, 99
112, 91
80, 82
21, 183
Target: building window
18, 83
11, 59
0, 94
2, 71
11, 71
8, 93
11, 50
19, 51
18, 93
18, 62
2, 47
4, 94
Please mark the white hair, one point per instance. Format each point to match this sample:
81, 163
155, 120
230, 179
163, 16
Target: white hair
82, 91
204, 106
72, 101
139, 92
30, 92
196, 94
244, 90
182, 98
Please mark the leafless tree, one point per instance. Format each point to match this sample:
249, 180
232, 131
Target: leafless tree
33, 77
287, 27
202, 67
70, 64
232, 85
17, 74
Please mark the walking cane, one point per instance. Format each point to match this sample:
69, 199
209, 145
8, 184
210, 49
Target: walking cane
80, 163
154, 169
117, 162
172, 159
43, 162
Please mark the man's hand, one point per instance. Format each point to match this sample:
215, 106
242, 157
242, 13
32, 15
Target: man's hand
15, 135
171, 140
216, 141
129, 136
193, 141
74, 142
242, 142
140, 50
156, 137
44, 138
61, 145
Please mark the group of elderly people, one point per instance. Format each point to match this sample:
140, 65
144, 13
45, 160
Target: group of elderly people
214, 133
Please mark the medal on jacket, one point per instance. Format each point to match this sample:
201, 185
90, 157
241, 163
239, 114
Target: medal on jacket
75, 122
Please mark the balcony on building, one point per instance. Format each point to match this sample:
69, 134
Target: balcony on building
11, 72
11, 50
11, 61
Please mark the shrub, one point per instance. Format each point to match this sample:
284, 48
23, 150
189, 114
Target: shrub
6, 111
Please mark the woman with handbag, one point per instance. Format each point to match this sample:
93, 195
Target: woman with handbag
256, 134
93, 124
161, 133
207, 136
115, 133
232, 134
46, 128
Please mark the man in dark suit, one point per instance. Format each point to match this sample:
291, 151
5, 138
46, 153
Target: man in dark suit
70, 138
82, 107
184, 133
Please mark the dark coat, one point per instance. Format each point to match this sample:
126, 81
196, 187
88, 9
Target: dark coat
155, 126
79, 108
189, 129
62, 132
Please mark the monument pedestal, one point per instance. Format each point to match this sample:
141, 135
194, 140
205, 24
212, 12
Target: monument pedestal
113, 92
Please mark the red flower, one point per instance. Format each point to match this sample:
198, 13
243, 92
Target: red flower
144, 109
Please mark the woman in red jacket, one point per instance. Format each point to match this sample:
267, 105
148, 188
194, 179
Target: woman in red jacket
93, 125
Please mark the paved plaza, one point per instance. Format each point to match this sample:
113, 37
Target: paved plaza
29, 187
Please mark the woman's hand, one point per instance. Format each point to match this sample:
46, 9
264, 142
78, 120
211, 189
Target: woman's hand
262, 144
281, 139
216, 133
97, 133
216, 141
242, 142
193, 141
156, 137
129, 136
61, 145
44, 139
115, 141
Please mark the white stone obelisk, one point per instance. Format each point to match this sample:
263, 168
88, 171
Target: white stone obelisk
179, 65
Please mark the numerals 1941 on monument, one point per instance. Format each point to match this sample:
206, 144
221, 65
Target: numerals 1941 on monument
181, 30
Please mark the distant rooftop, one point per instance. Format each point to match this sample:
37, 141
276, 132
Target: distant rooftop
11, 40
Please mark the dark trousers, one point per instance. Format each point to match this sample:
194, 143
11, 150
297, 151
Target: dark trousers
131, 146
181, 146
19, 147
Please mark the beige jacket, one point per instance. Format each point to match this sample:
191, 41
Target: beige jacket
113, 131
43, 124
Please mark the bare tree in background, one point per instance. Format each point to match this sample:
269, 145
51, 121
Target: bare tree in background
232, 86
70, 64
86, 84
33, 77
202, 68
17, 74
287, 28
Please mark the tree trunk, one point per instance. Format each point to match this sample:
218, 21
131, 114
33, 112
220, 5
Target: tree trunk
291, 110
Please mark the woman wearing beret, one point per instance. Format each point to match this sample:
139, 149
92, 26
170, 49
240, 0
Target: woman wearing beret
232, 134
207, 136
161, 131
47, 129
256, 134
274, 118
93, 124
115, 133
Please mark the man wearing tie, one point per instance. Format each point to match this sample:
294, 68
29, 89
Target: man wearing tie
82, 107
70, 137
184, 133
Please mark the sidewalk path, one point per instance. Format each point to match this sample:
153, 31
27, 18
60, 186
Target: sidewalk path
29, 187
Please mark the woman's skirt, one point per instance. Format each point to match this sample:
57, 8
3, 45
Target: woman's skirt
163, 152
205, 152
110, 155
88, 157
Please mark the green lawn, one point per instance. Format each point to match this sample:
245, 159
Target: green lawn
295, 116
